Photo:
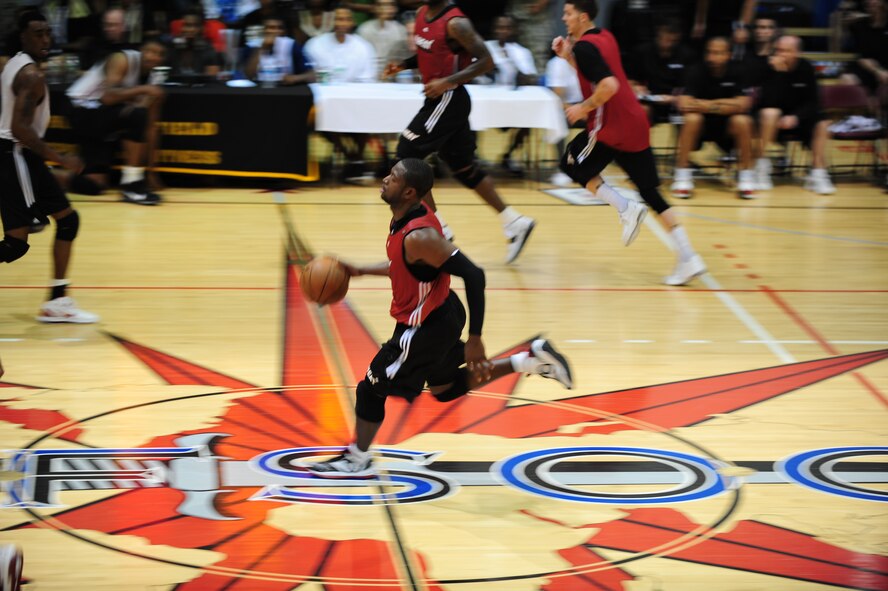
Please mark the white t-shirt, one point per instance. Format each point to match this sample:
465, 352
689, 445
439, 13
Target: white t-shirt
509, 61
560, 74
389, 41
353, 60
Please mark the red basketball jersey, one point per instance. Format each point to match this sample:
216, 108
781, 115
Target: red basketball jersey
413, 300
435, 56
620, 122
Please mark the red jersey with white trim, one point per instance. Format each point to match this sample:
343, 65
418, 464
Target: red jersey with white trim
412, 299
435, 56
620, 123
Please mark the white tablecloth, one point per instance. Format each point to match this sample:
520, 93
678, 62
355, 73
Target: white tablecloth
388, 108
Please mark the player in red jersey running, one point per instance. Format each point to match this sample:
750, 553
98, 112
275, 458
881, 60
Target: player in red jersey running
426, 345
449, 54
616, 130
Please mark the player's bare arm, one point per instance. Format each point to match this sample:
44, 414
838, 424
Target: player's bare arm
30, 91
461, 31
379, 269
604, 91
115, 71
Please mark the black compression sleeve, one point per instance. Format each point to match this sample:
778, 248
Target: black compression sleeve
411, 63
473, 276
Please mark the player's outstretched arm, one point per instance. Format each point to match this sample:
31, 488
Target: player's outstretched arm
381, 269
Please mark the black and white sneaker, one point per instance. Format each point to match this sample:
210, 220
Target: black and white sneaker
351, 463
137, 192
517, 233
553, 365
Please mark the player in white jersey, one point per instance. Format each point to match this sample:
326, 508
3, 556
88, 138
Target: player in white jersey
28, 190
111, 102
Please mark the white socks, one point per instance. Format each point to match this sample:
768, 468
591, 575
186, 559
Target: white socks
607, 194
131, 174
682, 243
524, 363
508, 215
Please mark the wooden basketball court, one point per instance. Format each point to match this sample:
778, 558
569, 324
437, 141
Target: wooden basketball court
729, 435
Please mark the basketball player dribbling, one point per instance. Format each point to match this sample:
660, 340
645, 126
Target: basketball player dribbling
617, 129
446, 45
426, 347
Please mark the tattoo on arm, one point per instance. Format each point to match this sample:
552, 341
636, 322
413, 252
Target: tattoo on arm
461, 30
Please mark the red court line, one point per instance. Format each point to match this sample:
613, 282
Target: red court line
501, 289
814, 334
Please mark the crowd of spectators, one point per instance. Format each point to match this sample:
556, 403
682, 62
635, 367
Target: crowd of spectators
723, 70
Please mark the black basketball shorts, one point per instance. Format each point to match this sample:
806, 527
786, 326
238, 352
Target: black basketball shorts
28, 189
442, 126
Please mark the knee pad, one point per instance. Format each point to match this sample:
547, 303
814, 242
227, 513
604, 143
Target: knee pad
12, 249
67, 227
460, 386
470, 177
652, 197
369, 405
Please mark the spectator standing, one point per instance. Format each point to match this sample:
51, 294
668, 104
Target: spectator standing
113, 38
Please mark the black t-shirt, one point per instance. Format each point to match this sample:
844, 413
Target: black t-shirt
795, 92
701, 83
589, 60
662, 75
871, 42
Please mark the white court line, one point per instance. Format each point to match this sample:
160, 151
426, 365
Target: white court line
818, 342
695, 341
11, 340
728, 300
638, 341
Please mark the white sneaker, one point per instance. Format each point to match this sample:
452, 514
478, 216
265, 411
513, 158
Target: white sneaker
683, 184
561, 180
518, 232
818, 181
685, 271
553, 365
351, 463
746, 184
65, 310
763, 174
631, 220
11, 560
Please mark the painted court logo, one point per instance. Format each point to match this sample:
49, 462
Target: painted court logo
232, 497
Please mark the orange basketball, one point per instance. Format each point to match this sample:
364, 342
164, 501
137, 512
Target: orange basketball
324, 280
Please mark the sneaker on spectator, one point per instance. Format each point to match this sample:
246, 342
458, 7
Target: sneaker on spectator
818, 181
746, 184
518, 232
683, 183
561, 180
763, 174
351, 463
137, 192
65, 310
